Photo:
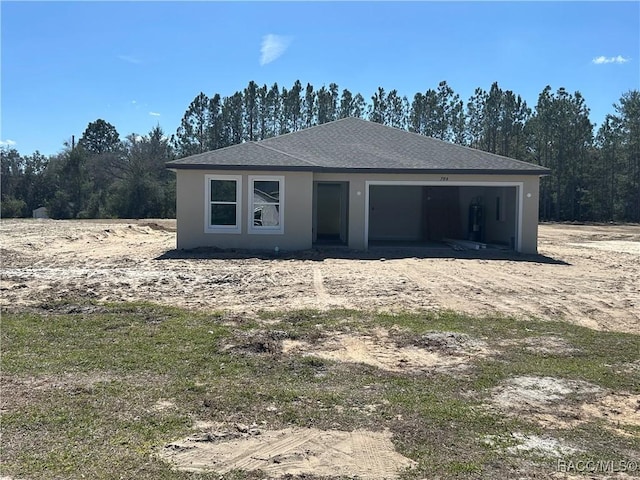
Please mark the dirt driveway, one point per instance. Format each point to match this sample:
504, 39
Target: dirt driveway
589, 275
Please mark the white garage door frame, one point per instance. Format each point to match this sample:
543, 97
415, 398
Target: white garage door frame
449, 183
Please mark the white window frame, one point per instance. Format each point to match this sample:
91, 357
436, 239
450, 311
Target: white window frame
269, 230
208, 227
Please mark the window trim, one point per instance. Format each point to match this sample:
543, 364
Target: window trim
208, 227
251, 228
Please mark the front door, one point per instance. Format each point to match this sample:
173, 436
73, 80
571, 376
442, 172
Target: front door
330, 219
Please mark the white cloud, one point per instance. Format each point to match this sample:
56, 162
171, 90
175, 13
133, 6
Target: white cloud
129, 59
7, 143
133, 102
602, 60
154, 114
273, 46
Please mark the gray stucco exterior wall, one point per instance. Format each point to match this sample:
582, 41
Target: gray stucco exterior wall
190, 213
298, 207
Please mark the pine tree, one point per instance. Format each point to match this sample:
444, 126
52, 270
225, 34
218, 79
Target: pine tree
378, 107
309, 107
250, 99
294, 107
213, 126
396, 110
628, 118
191, 136
475, 118
274, 107
324, 105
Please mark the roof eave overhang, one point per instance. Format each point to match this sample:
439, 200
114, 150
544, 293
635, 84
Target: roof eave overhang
317, 169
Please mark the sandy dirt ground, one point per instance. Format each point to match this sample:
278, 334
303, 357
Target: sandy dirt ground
588, 275
293, 451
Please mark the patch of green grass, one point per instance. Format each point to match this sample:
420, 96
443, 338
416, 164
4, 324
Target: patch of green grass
117, 342
82, 385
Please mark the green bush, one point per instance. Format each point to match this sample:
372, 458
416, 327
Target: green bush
14, 208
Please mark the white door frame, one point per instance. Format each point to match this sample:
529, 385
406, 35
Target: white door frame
449, 183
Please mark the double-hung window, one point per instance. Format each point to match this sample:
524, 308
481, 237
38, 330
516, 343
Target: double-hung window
266, 204
222, 203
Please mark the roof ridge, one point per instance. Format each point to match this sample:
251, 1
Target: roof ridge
312, 127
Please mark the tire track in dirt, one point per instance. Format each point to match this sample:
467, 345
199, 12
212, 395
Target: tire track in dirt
295, 451
592, 300
518, 294
429, 277
493, 290
252, 460
371, 455
318, 286
445, 289
323, 297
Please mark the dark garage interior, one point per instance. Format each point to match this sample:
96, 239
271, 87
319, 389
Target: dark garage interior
420, 215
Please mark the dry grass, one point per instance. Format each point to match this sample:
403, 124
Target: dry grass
89, 390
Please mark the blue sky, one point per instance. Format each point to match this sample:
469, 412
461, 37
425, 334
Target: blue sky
136, 65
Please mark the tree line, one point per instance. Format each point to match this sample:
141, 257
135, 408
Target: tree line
101, 177
595, 174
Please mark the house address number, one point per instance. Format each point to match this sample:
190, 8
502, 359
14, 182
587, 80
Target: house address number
444, 179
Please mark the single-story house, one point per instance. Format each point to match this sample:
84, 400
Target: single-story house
355, 183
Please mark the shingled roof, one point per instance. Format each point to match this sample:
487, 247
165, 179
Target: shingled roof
356, 145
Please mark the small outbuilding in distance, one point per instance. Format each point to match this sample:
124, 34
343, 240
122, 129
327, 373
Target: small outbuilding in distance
40, 212
355, 183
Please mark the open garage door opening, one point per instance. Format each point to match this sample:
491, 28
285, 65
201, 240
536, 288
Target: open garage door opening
433, 216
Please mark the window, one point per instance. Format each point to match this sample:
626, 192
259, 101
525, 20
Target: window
266, 195
222, 204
